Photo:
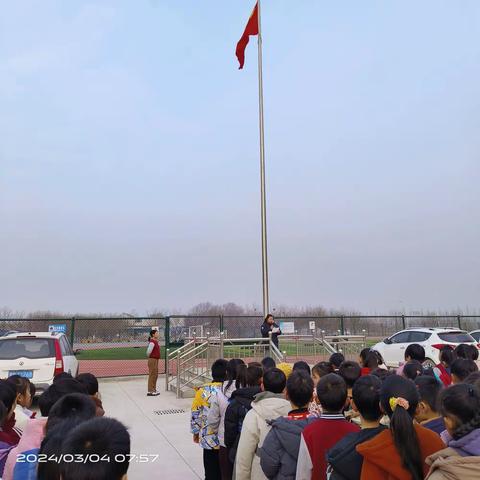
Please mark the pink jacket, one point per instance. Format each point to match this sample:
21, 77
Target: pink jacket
32, 438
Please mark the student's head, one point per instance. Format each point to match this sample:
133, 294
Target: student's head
58, 390
381, 373
61, 376
332, 393
274, 381
366, 397
320, 370
219, 370
8, 396
350, 372
447, 356
102, 437
415, 352
460, 407
299, 389
269, 319
429, 390
253, 377
90, 381
301, 365
363, 356
412, 369
461, 369
466, 351
371, 360
3, 413
399, 400
72, 406
232, 371
268, 363
22, 388
153, 334
336, 360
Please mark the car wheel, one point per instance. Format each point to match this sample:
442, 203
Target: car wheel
429, 363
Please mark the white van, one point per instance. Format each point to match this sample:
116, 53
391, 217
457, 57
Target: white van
38, 356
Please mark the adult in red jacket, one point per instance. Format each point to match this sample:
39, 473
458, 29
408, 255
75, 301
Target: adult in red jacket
153, 354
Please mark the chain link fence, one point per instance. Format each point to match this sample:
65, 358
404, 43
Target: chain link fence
116, 346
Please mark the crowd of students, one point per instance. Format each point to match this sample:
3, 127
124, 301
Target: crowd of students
70, 439
342, 420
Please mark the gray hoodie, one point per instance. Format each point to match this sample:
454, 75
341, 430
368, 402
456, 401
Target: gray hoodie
279, 453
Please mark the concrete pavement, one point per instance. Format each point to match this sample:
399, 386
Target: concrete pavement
166, 435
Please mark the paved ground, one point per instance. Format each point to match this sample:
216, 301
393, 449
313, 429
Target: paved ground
166, 435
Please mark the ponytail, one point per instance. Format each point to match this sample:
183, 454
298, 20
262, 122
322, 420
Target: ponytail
232, 372
406, 442
399, 399
241, 380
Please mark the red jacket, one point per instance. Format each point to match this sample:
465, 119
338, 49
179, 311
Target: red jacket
381, 460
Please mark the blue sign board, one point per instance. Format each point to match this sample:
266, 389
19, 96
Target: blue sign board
58, 328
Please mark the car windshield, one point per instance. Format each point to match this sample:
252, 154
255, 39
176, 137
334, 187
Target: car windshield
456, 337
26, 347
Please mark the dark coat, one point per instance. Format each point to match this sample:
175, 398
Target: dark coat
265, 329
279, 452
240, 403
344, 461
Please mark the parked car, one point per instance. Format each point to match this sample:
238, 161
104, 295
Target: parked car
476, 335
38, 356
432, 340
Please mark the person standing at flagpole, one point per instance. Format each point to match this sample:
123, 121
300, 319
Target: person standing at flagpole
254, 28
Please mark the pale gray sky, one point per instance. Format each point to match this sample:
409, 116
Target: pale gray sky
129, 154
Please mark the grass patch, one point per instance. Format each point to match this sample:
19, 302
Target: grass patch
121, 353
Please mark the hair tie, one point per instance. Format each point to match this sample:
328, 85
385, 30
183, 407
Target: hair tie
401, 402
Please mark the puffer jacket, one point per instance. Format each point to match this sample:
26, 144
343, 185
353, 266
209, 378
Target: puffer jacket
459, 461
279, 452
240, 403
218, 406
266, 406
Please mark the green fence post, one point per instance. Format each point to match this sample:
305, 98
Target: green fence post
167, 334
459, 322
221, 323
342, 324
404, 325
72, 331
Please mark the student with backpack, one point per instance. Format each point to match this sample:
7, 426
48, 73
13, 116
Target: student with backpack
345, 463
278, 455
153, 354
399, 453
460, 407
267, 405
323, 434
216, 414
240, 403
427, 413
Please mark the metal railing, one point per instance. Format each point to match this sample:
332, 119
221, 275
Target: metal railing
192, 361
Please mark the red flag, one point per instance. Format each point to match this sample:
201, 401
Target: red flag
250, 29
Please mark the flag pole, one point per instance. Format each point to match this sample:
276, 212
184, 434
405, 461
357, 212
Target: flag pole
263, 207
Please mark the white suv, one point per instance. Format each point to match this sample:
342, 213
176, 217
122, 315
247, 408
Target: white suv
38, 356
432, 340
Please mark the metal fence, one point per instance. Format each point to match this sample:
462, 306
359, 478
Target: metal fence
116, 346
